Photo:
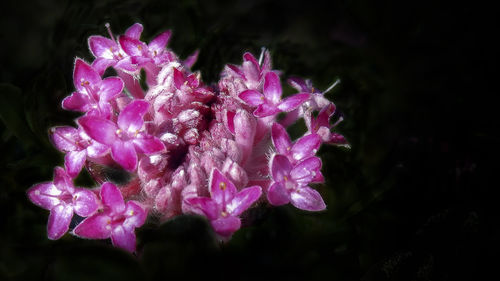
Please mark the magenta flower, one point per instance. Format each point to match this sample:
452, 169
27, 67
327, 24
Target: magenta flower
62, 199
304, 147
117, 220
154, 52
77, 145
290, 183
225, 205
126, 137
269, 102
93, 94
320, 125
109, 53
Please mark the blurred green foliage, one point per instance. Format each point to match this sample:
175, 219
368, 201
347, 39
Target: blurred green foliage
410, 201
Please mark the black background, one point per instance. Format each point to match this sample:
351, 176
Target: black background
412, 200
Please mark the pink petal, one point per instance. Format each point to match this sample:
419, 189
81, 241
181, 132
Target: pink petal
277, 194
112, 197
62, 180
304, 171
280, 167
272, 87
101, 130
266, 63
123, 238
221, 188
243, 200
64, 138
251, 71
230, 120
134, 31
148, 144
85, 202
44, 195
203, 206
178, 78
59, 219
110, 88
252, 97
102, 47
74, 161
191, 60
265, 110
77, 102
96, 150
136, 216
226, 226
97, 226
306, 146
101, 64
298, 83
280, 138
124, 154
132, 47
307, 199
131, 117
84, 73
160, 42
293, 102
126, 65
244, 130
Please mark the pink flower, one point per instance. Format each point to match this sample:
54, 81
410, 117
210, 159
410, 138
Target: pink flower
269, 102
117, 220
154, 52
77, 145
225, 205
62, 199
109, 53
320, 125
93, 94
303, 148
290, 183
126, 137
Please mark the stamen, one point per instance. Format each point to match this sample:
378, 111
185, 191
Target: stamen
108, 27
285, 178
222, 185
262, 50
119, 132
224, 214
332, 86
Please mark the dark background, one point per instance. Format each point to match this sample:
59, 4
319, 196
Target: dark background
412, 200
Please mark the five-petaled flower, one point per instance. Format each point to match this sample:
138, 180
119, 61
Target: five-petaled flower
117, 220
225, 205
62, 199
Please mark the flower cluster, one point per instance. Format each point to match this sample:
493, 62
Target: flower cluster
189, 148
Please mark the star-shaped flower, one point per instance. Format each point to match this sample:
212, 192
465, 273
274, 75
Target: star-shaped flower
92, 94
117, 220
62, 199
290, 183
304, 147
269, 102
225, 205
77, 145
126, 137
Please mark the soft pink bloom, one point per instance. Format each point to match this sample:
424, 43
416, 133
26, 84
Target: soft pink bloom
126, 137
304, 147
321, 126
92, 94
62, 199
290, 183
117, 220
77, 145
225, 204
269, 102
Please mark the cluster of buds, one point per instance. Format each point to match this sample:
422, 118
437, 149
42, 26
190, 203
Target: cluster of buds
188, 148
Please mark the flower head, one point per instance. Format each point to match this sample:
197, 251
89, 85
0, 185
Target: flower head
62, 199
